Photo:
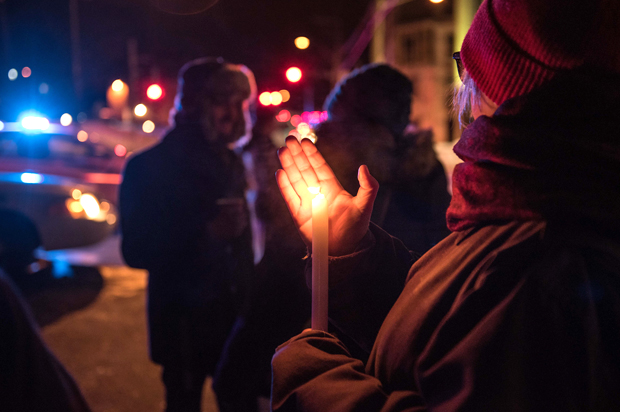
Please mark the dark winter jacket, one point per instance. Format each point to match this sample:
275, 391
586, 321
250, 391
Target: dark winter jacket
173, 201
31, 378
511, 317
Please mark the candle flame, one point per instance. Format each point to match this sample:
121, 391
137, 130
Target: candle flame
314, 190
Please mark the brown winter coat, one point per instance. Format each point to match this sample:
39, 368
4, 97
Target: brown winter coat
510, 317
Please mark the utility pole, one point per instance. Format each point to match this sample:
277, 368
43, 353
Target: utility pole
377, 46
464, 11
76, 65
133, 66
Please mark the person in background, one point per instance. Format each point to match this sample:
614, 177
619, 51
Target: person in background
519, 308
32, 379
184, 218
368, 123
277, 305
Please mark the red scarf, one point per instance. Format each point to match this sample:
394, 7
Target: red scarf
553, 154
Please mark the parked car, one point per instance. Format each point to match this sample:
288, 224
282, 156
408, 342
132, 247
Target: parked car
58, 180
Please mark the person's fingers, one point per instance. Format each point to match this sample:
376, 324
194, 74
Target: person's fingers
320, 166
294, 175
301, 161
288, 193
369, 187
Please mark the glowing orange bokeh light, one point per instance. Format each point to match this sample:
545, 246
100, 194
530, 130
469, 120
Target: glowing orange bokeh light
118, 85
82, 136
302, 42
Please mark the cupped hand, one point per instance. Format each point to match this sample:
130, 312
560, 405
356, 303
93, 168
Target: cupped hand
349, 216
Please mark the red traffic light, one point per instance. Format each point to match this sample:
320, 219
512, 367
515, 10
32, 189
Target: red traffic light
293, 74
154, 92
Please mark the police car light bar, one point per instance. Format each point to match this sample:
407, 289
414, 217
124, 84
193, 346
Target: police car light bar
35, 123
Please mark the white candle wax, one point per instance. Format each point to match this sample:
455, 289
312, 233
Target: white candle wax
319, 262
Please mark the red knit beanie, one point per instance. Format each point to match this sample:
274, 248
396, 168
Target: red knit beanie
515, 46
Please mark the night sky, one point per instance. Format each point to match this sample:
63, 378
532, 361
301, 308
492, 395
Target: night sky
260, 34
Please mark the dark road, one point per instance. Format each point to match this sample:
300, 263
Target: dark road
95, 323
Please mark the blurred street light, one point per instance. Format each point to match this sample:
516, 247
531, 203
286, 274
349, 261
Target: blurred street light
117, 95
276, 98
12, 74
140, 110
154, 92
66, 119
120, 150
118, 85
272, 98
283, 116
302, 42
265, 98
26, 72
148, 126
293, 74
82, 136
295, 120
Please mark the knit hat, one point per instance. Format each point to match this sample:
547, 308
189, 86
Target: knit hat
211, 78
515, 46
374, 92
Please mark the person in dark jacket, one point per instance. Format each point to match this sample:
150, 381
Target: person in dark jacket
368, 119
32, 379
277, 304
184, 219
519, 308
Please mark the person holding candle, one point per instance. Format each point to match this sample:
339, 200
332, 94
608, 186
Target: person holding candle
519, 308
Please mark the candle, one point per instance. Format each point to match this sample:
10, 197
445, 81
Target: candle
319, 260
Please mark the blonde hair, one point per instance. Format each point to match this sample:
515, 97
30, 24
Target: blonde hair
466, 95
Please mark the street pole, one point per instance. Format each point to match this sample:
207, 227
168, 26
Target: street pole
76, 65
464, 11
377, 45
133, 67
